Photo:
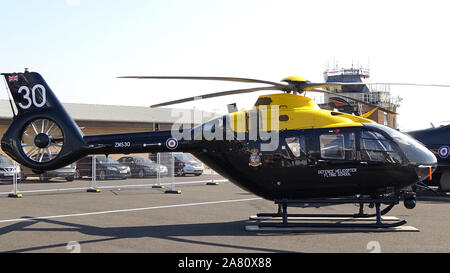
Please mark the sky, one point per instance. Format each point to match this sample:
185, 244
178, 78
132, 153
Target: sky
81, 47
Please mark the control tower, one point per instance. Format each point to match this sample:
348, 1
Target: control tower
376, 94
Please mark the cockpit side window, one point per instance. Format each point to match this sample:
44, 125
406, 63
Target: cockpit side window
375, 147
332, 146
350, 146
296, 145
341, 146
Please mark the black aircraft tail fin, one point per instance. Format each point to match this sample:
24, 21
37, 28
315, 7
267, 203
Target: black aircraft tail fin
42, 134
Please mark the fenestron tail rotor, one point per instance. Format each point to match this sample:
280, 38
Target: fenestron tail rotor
42, 140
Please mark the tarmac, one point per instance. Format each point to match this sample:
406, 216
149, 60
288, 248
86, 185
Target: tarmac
202, 219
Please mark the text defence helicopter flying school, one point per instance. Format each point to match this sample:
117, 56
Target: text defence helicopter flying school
286, 149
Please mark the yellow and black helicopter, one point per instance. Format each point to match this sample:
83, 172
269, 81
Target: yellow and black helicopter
285, 149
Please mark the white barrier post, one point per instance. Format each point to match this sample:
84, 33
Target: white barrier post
158, 173
93, 187
14, 193
212, 183
170, 164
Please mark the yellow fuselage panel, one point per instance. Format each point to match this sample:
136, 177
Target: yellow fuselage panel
292, 112
288, 101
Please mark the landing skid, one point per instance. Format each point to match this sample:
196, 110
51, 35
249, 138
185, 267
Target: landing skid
282, 221
257, 228
321, 218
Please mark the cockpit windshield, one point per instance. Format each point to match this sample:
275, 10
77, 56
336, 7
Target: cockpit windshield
376, 148
414, 151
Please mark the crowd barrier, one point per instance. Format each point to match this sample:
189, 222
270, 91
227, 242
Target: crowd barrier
96, 173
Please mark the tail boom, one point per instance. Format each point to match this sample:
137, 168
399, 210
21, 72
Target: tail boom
143, 142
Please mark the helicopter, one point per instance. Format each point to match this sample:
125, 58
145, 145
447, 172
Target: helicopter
286, 149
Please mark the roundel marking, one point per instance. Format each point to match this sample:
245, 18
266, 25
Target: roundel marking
172, 143
443, 151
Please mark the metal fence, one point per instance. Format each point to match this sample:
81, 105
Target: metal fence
94, 173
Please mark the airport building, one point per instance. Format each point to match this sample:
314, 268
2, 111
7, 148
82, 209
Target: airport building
378, 95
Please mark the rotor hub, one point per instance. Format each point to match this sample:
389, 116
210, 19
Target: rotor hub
42, 140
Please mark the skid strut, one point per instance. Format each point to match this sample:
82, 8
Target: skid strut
360, 214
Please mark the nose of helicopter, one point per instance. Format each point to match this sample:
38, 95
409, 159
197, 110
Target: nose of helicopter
417, 155
424, 172
424, 160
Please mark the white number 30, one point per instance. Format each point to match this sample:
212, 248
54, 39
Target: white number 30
32, 100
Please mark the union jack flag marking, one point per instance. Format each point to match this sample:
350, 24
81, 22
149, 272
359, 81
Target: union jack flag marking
14, 78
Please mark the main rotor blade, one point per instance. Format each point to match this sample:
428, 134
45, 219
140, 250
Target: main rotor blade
353, 99
230, 79
218, 94
310, 86
408, 84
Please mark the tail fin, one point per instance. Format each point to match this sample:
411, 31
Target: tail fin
42, 135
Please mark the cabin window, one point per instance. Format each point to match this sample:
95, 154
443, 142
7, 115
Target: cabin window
350, 146
332, 146
375, 147
296, 145
263, 101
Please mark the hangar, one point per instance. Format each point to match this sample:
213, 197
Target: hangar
108, 119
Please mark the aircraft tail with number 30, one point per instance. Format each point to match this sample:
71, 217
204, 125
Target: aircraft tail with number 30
43, 136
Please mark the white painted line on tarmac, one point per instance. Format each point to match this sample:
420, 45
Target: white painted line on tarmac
127, 210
